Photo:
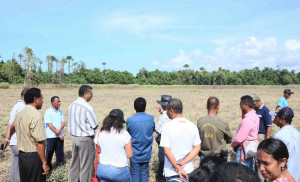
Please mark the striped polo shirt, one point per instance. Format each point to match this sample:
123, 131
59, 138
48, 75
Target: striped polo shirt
82, 118
30, 128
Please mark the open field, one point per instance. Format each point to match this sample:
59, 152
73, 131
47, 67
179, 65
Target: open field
107, 97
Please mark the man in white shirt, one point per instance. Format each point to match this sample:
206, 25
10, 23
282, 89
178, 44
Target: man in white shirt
81, 126
14, 169
181, 142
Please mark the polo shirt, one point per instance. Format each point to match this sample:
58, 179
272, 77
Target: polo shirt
55, 118
265, 119
141, 127
291, 137
15, 110
247, 130
282, 102
81, 118
30, 128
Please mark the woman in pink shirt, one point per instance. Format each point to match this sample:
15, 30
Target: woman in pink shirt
247, 130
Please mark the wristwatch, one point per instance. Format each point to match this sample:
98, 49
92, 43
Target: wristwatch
7, 140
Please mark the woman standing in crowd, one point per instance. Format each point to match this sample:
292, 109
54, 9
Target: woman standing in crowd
272, 157
115, 148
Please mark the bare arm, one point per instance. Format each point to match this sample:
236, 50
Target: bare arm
194, 152
269, 130
178, 168
52, 128
276, 108
128, 149
40, 147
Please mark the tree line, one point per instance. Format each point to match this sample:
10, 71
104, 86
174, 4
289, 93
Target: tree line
26, 69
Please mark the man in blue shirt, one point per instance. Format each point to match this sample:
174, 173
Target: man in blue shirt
291, 137
282, 102
54, 124
265, 120
141, 127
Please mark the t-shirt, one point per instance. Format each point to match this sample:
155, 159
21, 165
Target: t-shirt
282, 102
55, 118
112, 147
291, 137
214, 133
141, 127
265, 119
15, 110
180, 137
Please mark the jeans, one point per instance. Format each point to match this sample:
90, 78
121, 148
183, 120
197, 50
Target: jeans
109, 173
248, 162
139, 171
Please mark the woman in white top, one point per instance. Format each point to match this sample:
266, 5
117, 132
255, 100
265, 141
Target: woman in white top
115, 148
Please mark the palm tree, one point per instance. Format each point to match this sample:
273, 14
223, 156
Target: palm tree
186, 66
69, 59
103, 63
27, 64
20, 58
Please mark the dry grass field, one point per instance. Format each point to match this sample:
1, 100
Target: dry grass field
107, 97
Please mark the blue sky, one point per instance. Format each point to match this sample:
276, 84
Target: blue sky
165, 35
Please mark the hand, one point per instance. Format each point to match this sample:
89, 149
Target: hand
45, 168
181, 164
57, 132
157, 107
5, 143
61, 137
182, 173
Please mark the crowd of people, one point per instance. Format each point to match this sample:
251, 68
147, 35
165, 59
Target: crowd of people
33, 141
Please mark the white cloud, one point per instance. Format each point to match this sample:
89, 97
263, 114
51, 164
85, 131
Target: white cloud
155, 63
245, 53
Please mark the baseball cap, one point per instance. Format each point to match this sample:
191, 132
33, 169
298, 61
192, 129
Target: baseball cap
255, 97
288, 91
165, 99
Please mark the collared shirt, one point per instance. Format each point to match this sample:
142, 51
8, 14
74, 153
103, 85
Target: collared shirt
265, 119
15, 110
291, 137
180, 135
55, 118
162, 120
282, 102
30, 128
82, 118
141, 127
247, 130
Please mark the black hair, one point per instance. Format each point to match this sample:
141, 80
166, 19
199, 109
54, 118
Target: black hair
113, 120
234, 172
30, 94
287, 113
212, 102
207, 166
23, 92
140, 104
53, 99
176, 105
84, 89
274, 147
247, 99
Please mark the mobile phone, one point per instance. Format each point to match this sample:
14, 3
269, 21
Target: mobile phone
2, 147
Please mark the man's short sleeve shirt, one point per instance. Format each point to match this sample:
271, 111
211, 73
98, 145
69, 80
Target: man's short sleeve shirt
163, 119
265, 119
282, 102
30, 128
55, 118
16, 109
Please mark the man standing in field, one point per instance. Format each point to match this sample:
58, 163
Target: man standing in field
214, 132
162, 120
282, 102
247, 131
291, 137
31, 137
265, 120
12, 139
181, 142
141, 128
54, 124
82, 125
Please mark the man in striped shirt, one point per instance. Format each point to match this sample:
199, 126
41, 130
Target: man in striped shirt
82, 125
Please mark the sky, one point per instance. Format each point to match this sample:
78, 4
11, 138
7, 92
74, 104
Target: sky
165, 35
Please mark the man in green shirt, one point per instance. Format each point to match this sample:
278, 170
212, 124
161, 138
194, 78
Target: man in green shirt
214, 132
